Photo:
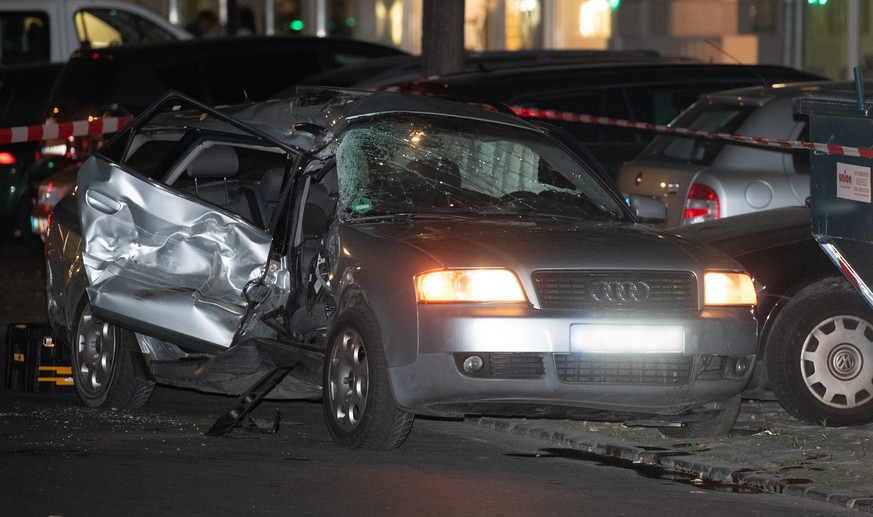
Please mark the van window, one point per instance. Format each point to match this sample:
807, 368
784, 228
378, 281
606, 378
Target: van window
24, 37
99, 28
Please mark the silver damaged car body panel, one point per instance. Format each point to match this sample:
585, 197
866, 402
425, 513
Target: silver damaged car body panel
189, 263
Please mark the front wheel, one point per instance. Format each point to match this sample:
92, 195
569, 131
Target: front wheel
103, 369
820, 355
359, 408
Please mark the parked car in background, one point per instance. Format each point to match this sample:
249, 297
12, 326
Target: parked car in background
380, 73
815, 338
125, 80
644, 91
702, 179
24, 94
42, 31
405, 254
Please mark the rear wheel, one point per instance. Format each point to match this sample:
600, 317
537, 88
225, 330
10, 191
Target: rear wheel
103, 369
358, 405
820, 355
719, 425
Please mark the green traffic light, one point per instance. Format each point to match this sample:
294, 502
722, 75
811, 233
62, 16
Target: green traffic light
296, 25
613, 4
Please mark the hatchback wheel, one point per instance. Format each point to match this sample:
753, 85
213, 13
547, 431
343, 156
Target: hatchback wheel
820, 355
358, 405
103, 370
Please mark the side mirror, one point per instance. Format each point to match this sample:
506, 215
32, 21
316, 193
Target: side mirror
650, 210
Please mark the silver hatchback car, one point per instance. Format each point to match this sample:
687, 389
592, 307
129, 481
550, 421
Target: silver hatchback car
702, 180
392, 255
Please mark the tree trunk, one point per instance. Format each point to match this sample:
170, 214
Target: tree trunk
442, 39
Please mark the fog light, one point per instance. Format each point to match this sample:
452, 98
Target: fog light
473, 364
742, 366
738, 367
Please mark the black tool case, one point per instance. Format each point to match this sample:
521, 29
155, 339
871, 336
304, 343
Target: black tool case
34, 361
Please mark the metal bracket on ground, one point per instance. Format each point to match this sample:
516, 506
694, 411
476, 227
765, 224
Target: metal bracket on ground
247, 402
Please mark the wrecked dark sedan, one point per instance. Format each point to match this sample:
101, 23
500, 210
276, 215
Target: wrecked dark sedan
391, 255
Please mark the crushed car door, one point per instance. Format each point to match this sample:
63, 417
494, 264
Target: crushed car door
168, 262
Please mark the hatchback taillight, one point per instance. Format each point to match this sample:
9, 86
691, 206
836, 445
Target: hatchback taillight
701, 205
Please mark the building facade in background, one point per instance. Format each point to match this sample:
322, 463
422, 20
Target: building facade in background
829, 37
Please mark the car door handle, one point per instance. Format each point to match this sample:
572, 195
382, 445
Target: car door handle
101, 202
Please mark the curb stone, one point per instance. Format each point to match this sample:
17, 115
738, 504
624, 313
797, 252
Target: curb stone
701, 464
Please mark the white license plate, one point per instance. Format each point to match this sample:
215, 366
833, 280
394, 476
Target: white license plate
627, 339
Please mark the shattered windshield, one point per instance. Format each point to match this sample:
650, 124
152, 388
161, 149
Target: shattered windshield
416, 165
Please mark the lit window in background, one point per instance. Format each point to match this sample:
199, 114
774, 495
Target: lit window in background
595, 19
523, 18
389, 21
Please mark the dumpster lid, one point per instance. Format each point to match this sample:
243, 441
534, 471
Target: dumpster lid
840, 104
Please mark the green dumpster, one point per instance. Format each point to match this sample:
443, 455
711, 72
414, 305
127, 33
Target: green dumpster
840, 180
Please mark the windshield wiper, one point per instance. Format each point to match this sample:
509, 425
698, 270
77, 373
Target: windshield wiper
525, 212
406, 216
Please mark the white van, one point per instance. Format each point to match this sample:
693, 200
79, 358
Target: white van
39, 31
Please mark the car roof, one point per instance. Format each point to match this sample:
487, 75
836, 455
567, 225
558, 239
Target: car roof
317, 114
216, 71
391, 70
515, 83
760, 95
234, 44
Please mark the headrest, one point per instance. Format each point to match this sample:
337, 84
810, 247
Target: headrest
218, 161
270, 186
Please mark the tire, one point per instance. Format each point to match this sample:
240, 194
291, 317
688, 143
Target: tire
359, 408
716, 426
103, 371
820, 355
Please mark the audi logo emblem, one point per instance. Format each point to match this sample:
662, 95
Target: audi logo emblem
620, 291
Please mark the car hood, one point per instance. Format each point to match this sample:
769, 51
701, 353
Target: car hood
749, 233
528, 245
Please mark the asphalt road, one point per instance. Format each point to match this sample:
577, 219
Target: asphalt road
60, 458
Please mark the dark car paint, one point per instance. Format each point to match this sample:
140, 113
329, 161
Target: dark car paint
24, 95
571, 87
777, 247
216, 71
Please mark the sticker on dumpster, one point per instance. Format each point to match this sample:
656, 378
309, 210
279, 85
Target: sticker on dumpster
853, 182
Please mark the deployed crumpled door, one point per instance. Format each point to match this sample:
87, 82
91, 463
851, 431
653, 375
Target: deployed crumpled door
162, 263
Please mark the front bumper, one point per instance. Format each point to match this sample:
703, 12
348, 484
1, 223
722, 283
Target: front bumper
529, 369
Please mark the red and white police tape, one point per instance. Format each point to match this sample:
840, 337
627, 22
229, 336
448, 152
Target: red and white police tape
107, 125
97, 126
713, 135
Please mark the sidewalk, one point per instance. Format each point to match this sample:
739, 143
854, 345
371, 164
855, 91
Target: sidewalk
767, 450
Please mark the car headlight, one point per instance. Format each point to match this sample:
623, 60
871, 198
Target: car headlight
723, 288
468, 285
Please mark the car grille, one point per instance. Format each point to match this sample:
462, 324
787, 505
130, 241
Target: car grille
670, 370
516, 366
616, 290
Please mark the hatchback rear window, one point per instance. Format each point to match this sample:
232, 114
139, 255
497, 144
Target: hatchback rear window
721, 118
